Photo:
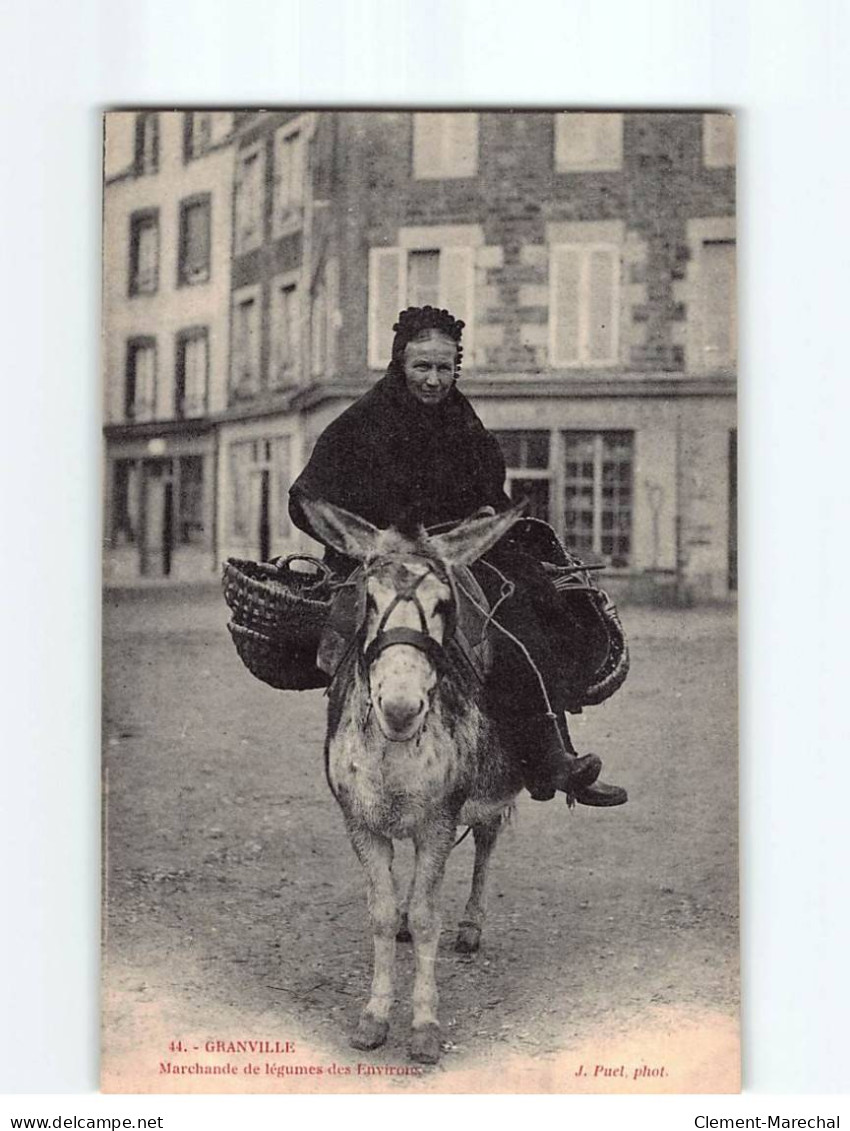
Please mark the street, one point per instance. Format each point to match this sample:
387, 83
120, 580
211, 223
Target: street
233, 897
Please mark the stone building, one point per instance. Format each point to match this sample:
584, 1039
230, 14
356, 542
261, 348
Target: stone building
166, 288
592, 257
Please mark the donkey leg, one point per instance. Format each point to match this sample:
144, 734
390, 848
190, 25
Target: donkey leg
375, 853
432, 849
403, 933
469, 929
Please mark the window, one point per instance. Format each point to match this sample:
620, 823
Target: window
144, 252
191, 512
445, 146
588, 142
204, 129
249, 199
245, 372
584, 304
598, 473
288, 177
401, 277
718, 140
125, 502
140, 386
147, 144
528, 474
194, 261
285, 331
191, 373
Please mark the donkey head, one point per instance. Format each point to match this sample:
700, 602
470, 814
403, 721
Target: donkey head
410, 604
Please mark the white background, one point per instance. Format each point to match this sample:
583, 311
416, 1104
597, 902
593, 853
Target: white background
783, 64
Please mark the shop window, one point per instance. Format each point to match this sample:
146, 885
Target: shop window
191, 374
445, 145
191, 512
194, 253
144, 252
125, 502
584, 304
588, 142
432, 276
528, 473
140, 383
598, 494
147, 144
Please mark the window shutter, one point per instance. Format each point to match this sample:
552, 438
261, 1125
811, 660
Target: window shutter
573, 141
602, 298
718, 290
386, 299
197, 240
457, 284
609, 140
145, 363
146, 270
462, 148
195, 375
428, 153
588, 141
564, 305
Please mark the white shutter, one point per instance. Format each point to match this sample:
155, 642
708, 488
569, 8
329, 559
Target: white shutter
588, 142
195, 376
608, 141
601, 288
428, 147
386, 299
457, 288
718, 296
145, 383
564, 299
573, 141
462, 145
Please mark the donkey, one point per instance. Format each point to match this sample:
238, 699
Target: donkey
410, 751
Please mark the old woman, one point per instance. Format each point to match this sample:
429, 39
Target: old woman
413, 453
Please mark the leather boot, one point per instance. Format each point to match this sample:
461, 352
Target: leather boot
552, 765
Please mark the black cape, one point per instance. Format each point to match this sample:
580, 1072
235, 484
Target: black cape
396, 462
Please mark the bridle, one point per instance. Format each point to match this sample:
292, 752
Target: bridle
416, 638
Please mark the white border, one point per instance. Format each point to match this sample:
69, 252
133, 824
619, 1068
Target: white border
784, 67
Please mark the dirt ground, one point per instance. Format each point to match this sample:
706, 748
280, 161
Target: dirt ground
234, 901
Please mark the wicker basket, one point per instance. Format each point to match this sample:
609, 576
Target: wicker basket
278, 614
585, 604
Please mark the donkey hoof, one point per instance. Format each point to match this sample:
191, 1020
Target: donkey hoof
403, 933
371, 1032
425, 1045
468, 939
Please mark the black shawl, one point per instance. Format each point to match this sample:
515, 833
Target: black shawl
397, 462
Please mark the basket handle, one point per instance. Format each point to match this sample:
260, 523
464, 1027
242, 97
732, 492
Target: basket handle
326, 572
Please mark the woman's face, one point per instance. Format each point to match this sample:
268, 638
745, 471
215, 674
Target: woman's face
429, 367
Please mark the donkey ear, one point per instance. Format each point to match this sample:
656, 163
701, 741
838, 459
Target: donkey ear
339, 529
473, 538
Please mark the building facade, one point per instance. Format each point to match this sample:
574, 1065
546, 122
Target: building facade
592, 257
166, 287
